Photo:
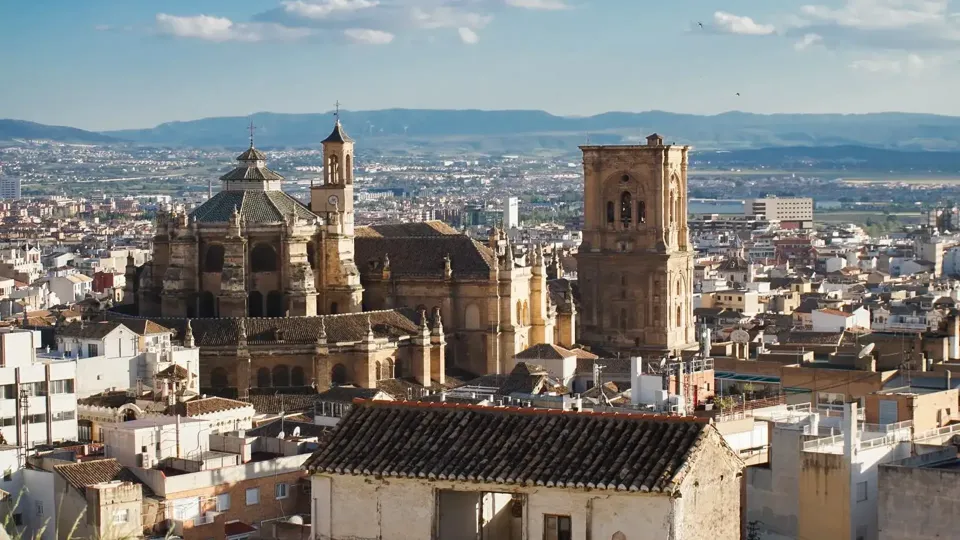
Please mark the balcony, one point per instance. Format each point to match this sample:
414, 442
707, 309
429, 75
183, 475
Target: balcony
177, 526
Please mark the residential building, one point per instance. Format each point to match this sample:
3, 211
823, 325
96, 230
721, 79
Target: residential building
71, 287
791, 212
511, 213
9, 187
915, 492
489, 490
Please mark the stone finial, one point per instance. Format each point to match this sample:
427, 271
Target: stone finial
188, 335
322, 336
370, 335
242, 338
447, 267
423, 322
386, 261
538, 255
437, 323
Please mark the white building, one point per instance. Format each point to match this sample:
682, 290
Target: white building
9, 187
72, 287
145, 442
489, 488
787, 210
38, 402
835, 320
511, 213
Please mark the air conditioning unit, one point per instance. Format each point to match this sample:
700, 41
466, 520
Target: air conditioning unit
144, 460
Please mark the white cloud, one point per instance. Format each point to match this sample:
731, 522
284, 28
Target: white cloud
807, 41
547, 5
728, 23
892, 25
324, 8
911, 64
368, 36
221, 29
103, 28
468, 36
880, 14
448, 17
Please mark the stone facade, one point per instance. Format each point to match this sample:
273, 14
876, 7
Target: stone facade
265, 269
635, 264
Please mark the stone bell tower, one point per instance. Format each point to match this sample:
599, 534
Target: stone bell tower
338, 280
635, 264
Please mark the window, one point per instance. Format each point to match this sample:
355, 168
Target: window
121, 516
610, 212
556, 527
8, 391
64, 386
93, 349
253, 496
64, 415
861, 491
641, 212
18, 519
281, 491
626, 208
223, 502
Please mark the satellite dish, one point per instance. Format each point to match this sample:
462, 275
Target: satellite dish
740, 336
281, 435
663, 362
296, 431
866, 350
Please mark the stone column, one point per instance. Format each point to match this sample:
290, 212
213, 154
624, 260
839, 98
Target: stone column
438, 345
244, 368
420, 355
300, 291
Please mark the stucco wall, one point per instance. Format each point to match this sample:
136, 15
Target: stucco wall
918, 504
400, 509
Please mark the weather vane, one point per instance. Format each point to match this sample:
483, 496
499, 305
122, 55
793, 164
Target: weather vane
253, 128
336, 113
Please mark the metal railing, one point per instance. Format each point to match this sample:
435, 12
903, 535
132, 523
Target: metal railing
816, 444
937, 432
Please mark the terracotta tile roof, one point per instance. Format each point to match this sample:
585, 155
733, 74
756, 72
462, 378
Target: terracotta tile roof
544, 351
837, 312
175, 372
209, 405
146, 327
512, 446
810, 338
525, 378
338, 135
288, 403
426, 228
423, 256
88, 473
348, 327
346, 394
253, 206
237, 527
88, 330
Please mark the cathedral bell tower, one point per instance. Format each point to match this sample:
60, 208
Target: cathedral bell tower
635, 264
333, 199
337, 277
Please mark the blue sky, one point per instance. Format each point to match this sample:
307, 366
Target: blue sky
107, 64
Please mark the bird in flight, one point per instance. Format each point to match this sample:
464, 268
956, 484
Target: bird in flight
738, 93
700, 24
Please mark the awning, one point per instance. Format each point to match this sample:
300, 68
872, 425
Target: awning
745, 377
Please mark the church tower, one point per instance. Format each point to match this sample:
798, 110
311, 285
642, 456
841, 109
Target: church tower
338, 277
635, 264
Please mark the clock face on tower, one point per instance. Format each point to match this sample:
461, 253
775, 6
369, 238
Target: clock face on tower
333, 200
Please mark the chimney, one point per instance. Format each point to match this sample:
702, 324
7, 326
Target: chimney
949, 377
636, 371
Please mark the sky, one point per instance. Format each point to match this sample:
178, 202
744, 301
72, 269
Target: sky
114, 64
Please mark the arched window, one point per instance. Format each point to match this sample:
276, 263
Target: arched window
129, 415
263, 378
623, 319
679, 287
263, 258
333, 169
471, 317
641, 212
255, 304
208, 304
281, 375
213, 262
378, 371
348, 169
338, 375
218, 378
611, 216
526, 313
312, 255
297, 377
679, 316
275, 304
388, 368
519, 313
626, 208
333, 308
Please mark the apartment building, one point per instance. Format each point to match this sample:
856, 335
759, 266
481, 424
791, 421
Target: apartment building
791, 212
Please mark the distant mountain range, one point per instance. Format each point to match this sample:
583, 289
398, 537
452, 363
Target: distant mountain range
21, 129
475, 131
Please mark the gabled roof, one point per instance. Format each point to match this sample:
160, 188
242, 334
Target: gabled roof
512, 446
423, 256
88, 330
146, 327
346, 394
544, 351
393, 230
88, 473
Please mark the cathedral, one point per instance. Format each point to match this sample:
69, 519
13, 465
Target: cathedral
281, 294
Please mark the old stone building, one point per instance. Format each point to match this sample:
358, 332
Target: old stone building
635, 263
261, 276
